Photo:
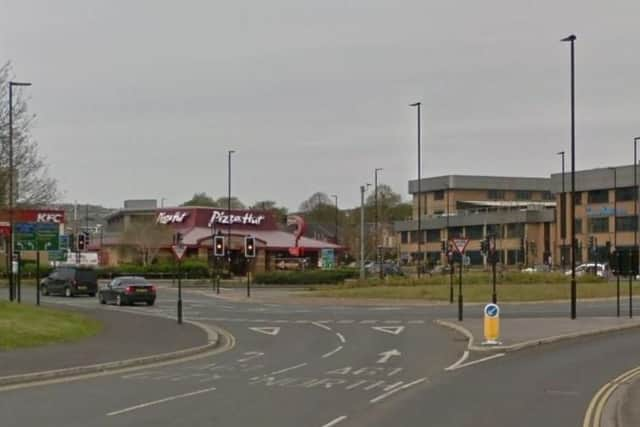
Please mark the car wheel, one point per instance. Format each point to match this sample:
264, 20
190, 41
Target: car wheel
150, 303
44, 291
119, 301
101, 298
67, 292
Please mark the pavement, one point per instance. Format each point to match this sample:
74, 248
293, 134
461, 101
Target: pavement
124, 336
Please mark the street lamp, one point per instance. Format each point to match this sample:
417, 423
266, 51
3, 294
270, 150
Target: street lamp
615, 237
363, 188
378, 257
229, 153
571, 39
563, 215
335, 197
632, 255
418, 105
11, 185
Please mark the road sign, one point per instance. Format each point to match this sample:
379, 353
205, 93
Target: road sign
460, 245
491, 323
57, 255
179, 251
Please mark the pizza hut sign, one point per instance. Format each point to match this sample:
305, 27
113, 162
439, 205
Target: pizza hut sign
172, 217
248, 218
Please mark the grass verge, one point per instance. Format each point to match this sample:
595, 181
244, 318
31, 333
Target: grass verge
23, 325
475, 292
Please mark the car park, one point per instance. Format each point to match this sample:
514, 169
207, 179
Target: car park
128, 290
70, 281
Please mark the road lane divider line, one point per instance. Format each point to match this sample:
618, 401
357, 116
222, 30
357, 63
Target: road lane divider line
332, 352
594, 411
477, 361
459, 362
395, 390
335, 422
281, 371
157, 402
341, 337
320, 325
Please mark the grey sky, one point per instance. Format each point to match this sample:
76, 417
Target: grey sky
141, 99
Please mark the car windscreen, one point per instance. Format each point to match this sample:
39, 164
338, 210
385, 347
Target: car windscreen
86, 275
134, 281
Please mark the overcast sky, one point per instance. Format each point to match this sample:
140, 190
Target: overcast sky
143, 98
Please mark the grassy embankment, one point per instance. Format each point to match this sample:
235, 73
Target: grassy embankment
476, 288
23, 325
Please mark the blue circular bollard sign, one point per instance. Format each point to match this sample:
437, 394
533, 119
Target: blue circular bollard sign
491, 310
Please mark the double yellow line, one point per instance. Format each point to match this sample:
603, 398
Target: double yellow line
593, 415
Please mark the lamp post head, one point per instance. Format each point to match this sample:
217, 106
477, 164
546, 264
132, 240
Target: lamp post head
231, 152
636, 139
415, 104
560, 153
570, 38
19, 84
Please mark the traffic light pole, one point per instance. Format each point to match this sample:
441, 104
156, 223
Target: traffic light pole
179, 292
460, 289
494, 296
18, 278
37, 276
248, 277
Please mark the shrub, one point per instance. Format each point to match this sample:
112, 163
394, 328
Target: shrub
305, 277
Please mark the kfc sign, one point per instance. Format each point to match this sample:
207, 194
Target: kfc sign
247, 218
54, 218
172, 217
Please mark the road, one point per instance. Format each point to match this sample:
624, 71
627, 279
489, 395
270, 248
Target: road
346, 365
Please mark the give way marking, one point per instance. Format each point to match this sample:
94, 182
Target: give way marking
386, 355
267, 330
393, 330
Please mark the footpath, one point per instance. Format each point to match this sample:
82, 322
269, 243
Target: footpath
126, 340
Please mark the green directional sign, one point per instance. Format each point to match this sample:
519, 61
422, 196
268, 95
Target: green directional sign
48, 237
57, 256
31, 236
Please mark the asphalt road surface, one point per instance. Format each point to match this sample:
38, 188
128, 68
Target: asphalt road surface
336, 365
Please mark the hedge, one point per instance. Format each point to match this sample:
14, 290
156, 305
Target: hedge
310, 277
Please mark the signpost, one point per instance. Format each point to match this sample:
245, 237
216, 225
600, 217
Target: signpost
179, 250
493, 258
491, 324
460, 245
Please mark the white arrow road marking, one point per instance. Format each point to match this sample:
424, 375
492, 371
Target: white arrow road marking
393, 330
267, 330
335, 422
386, 355
250, 355
475, 362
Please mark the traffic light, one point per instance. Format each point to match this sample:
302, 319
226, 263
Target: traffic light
218, 246
591, 243
484, 246
250, 247
177, 238
81, 241
444, 246
87, 240
522, 245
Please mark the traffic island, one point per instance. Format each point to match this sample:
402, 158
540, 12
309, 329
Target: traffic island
519, 333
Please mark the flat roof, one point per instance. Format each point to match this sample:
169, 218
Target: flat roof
480, 182
595, 179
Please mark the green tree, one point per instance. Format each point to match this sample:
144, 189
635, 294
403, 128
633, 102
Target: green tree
221, 202
279, 212
201, 199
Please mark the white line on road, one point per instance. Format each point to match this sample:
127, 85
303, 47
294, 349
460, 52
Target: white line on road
345, 322
157, 402
320, 325
395, 390
332, 352
475, 362
460, 361
341, 337
287, 369
336, 421
367, 322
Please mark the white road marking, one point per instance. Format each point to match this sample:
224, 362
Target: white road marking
345, 322
250, 355
394, 371
459, 362
157, 402
332, 352
416, 322
393, 330
267, 330
302, 321
390, 322
336, 421
395, 390
354, 385
287, 369
386, 355
475, 362
320, 325
341, 337
368, 322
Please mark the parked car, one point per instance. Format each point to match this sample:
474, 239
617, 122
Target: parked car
539, 268
128, 290
388, 269
589, 268
70, 281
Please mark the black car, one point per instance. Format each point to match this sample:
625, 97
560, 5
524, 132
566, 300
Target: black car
128, 290
70, 281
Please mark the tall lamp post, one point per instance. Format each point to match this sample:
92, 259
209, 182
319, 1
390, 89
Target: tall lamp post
418, 105
615, 237
11, 185
563, 215
378, 257
335, 198
363, 188
229, 153
571, 39
632, 254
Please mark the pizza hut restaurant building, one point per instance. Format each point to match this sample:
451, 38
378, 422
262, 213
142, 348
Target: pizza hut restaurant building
274, 242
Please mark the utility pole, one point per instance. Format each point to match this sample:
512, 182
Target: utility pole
377, 243
362, 190
418, 104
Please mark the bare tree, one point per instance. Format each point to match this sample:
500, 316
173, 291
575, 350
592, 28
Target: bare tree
316, 200
147, 238
34, 186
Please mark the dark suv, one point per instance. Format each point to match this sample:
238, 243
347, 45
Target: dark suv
70, 281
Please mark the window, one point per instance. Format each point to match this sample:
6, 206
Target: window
475, 257
404, 237
438, 195
577, 198
523, 195
515, 230
624, 194
495, 195
433, 235
547, 195
599, 196
578, 225
494, 229
626, 223
475, 232
414, 237
438, 212
455, 232
599, 225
